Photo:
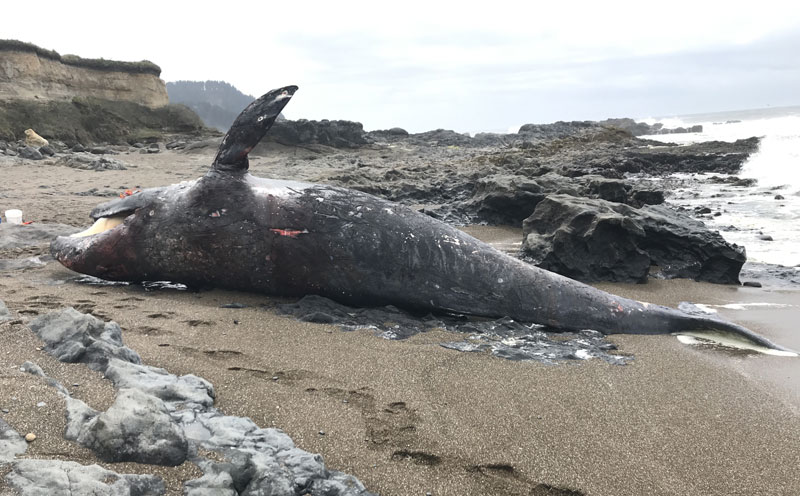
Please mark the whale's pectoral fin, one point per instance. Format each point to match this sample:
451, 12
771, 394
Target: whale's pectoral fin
248, 129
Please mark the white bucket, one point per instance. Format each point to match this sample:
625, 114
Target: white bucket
14, 216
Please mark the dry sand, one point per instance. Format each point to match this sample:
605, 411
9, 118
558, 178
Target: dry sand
410, 417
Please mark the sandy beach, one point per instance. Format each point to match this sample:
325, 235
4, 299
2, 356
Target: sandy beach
411, 417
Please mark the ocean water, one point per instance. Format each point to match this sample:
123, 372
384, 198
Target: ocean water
750, 216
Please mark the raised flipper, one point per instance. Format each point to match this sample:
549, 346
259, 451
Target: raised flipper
248, 129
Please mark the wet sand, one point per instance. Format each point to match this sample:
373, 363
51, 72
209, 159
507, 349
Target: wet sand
411, 417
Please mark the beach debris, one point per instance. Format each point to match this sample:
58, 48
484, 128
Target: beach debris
34, 140
129, 192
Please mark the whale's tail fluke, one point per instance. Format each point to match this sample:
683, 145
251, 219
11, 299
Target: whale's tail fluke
248, 129
729, 333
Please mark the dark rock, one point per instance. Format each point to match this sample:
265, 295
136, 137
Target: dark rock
556, 130
608, 189
642, 197
642, 128
508, 200
10, 152
595, 240
765, 237
78, 148
751, 284
779, 197
47, 150
30, 153
99, 150
397, 131
337, 134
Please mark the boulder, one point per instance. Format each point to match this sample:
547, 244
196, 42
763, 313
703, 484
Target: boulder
337, 134
31, 153
596, 240
137, 428
47, 150
508, 199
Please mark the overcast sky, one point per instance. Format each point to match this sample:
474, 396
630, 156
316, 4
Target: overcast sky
491, 65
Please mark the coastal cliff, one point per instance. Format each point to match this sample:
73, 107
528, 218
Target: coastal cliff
28, 72
77, 100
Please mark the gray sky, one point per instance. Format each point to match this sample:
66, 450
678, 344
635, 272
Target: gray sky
457, 65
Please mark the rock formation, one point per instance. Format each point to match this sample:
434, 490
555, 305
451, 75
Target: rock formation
28, 72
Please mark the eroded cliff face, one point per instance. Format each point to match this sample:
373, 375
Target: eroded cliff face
27, 76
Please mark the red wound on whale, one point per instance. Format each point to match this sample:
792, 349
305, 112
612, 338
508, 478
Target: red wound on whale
288, 232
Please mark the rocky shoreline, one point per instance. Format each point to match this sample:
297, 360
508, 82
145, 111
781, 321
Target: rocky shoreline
589, 201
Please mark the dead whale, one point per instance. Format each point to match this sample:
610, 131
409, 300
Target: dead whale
232, 230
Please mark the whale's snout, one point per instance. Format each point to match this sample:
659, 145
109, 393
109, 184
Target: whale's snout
108, 254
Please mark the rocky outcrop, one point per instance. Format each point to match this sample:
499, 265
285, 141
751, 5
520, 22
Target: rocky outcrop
77, 100
642, 128
337, 134
28, 72
164, 419
597, 240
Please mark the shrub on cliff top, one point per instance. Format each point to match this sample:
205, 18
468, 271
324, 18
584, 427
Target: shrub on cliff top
142, 67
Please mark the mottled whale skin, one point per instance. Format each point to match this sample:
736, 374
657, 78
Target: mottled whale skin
229, 229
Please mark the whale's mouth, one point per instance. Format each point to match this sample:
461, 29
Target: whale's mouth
102, 224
